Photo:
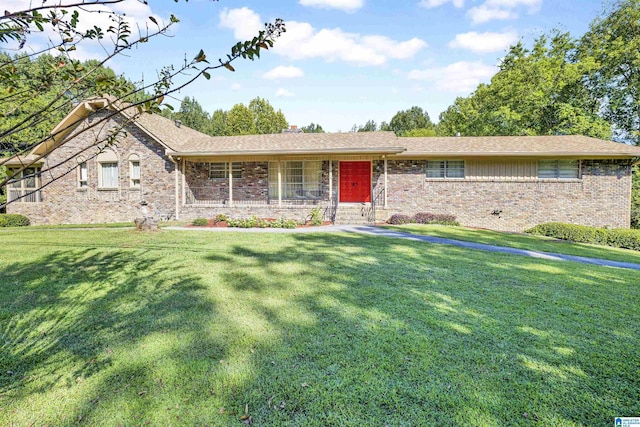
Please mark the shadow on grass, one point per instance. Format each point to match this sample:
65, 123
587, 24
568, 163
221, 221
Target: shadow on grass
315, 330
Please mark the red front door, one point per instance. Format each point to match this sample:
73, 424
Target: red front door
355, 182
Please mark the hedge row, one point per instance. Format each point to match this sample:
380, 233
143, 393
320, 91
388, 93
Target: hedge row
615, 237
13, 220
423, 218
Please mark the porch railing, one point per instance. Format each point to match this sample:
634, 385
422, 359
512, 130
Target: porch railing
244, 195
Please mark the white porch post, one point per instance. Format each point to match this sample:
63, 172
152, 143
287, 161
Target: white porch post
386, 182
230, 170
331, 181
279, 183
183, 173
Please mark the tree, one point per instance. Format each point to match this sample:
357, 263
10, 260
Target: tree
536, 92
69, 77
265, 118
407, 120
192, 115
370, 126
218, 124
312, 128
422, 132
610, 48
240, 121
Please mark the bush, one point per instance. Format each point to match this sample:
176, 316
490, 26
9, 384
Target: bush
283, 223
13, 220
200, 222
430, 218
316, 216
220, 218
399, 219
616, 237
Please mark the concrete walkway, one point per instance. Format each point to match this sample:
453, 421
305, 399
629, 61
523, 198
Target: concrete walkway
377, 231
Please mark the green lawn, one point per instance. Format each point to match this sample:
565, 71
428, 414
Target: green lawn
115, 327
521, 241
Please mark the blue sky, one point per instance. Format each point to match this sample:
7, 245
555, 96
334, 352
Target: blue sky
343, 62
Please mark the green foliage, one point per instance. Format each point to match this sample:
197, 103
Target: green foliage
283, 223
540, 91
316, 216
610, 48
266, 119
411, 119
370, 126
312, 128
240, 121
423, 218
420, 133
13, 220
617, 237
200, 222
220, 218
192, 114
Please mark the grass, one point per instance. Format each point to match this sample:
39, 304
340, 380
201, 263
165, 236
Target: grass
521, 241
115, 327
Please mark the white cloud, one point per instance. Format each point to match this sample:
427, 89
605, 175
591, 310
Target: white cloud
236, 87
302, 41
435, 3
460, 77
282, 72
484, 42
244, 22
282, 92
501, 10
346, 5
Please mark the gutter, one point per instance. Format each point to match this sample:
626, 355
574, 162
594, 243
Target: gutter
462, 154
388, 150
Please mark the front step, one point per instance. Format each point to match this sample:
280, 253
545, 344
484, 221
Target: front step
353, 215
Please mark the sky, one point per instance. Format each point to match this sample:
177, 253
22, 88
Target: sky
341, 62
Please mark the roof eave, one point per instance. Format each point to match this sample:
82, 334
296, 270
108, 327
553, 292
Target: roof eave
313, 151
585, 154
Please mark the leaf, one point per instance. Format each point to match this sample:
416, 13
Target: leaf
200, 56
152, 19
160, 99
229, 67
206, 75
263, 45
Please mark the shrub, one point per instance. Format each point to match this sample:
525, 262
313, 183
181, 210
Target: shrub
399, 219
13, 220
316, 216
220, 218
430, 218
200, 222
616, 237
283, 223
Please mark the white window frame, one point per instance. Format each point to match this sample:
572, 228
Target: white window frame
134, 173
559, 169
19, 184
441, 169
220, 170
298, 180
101, 183
83, 175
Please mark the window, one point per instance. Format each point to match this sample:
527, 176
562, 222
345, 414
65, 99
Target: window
109, 175
300, 180
23, 188
563, 169
445, 169
134, 171
220, 170
82, 175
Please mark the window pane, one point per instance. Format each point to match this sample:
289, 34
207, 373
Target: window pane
82, 174
568, 169
548, 169
435, 169
273, 180
217, 170
455, 169
109, 173
29, 175
236, 170
135, 170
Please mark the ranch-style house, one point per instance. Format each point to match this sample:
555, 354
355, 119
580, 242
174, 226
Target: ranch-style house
162, 168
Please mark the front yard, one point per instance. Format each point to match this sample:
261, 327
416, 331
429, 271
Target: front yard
109, 327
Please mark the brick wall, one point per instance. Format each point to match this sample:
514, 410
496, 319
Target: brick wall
601, 198
64, 203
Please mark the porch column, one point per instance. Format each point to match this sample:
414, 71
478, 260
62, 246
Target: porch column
183, 173
279, 183
331, 181
386, 182
230, 171
177, 189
